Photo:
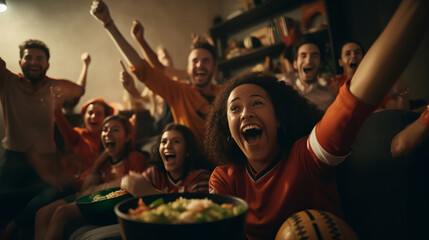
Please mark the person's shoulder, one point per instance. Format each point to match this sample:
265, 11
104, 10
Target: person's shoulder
57, 81
136, 155
228, 169
198, 175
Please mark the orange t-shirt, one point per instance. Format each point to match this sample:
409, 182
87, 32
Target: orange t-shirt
187, 105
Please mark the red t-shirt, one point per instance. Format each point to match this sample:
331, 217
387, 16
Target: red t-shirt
135, 161
195, 181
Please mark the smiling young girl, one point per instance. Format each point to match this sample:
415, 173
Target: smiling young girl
275, 160
179, 166
117, 159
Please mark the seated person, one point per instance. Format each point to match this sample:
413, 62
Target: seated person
84, 142
117, 159
178, 166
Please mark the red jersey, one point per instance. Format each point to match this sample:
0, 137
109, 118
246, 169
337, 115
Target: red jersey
303, 178
135, 161
195, 181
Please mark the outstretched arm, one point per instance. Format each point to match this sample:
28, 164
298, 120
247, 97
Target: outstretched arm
333, 136
391, 52
137, 32
411, 137
136, 184
100, 11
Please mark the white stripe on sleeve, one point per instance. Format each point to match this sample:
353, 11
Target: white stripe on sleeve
321, 153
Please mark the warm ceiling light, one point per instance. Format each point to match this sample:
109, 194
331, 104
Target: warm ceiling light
3, 6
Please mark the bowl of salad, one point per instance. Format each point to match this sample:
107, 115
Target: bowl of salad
182, 216
98, 207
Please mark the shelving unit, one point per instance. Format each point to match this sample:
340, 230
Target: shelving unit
263, 13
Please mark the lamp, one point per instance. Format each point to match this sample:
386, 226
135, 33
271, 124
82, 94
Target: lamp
3, 6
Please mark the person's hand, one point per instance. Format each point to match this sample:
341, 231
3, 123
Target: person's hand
198, 38
127, 80
57, 98
86, 58
137, 30
136, 184
100, 11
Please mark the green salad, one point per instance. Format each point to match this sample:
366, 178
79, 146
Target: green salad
184, 210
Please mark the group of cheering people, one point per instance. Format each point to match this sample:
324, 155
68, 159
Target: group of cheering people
254, 137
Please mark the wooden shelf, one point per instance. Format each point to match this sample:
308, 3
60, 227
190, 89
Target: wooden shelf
260, 53
264, 12
256, 54
260, 13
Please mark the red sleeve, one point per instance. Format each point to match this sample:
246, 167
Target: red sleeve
200, 183
71, 137
341, 123
220, 181
150, 174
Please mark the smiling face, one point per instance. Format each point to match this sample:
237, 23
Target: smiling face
172, 149
308, 63
253, 125
34, 64
351, 56
114, 139
94, 117
201, 67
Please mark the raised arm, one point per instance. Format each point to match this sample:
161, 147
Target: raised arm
137, 31
411, 137
71, 137
100, 12
86, 59
391, 52
128, 82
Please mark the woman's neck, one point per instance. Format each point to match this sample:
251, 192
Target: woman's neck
258, 165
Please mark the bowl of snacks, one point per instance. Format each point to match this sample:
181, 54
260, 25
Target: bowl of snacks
182, 216
98, 207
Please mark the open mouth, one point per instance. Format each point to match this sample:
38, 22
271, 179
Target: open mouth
169, 157
110, 144
251, 133
353, 66
200, 73
308, 70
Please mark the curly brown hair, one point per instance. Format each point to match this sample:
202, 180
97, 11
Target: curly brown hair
295, 114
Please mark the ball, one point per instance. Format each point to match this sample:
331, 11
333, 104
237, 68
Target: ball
315, 224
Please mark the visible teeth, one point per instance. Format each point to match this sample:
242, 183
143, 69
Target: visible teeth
251, 132
251, 126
